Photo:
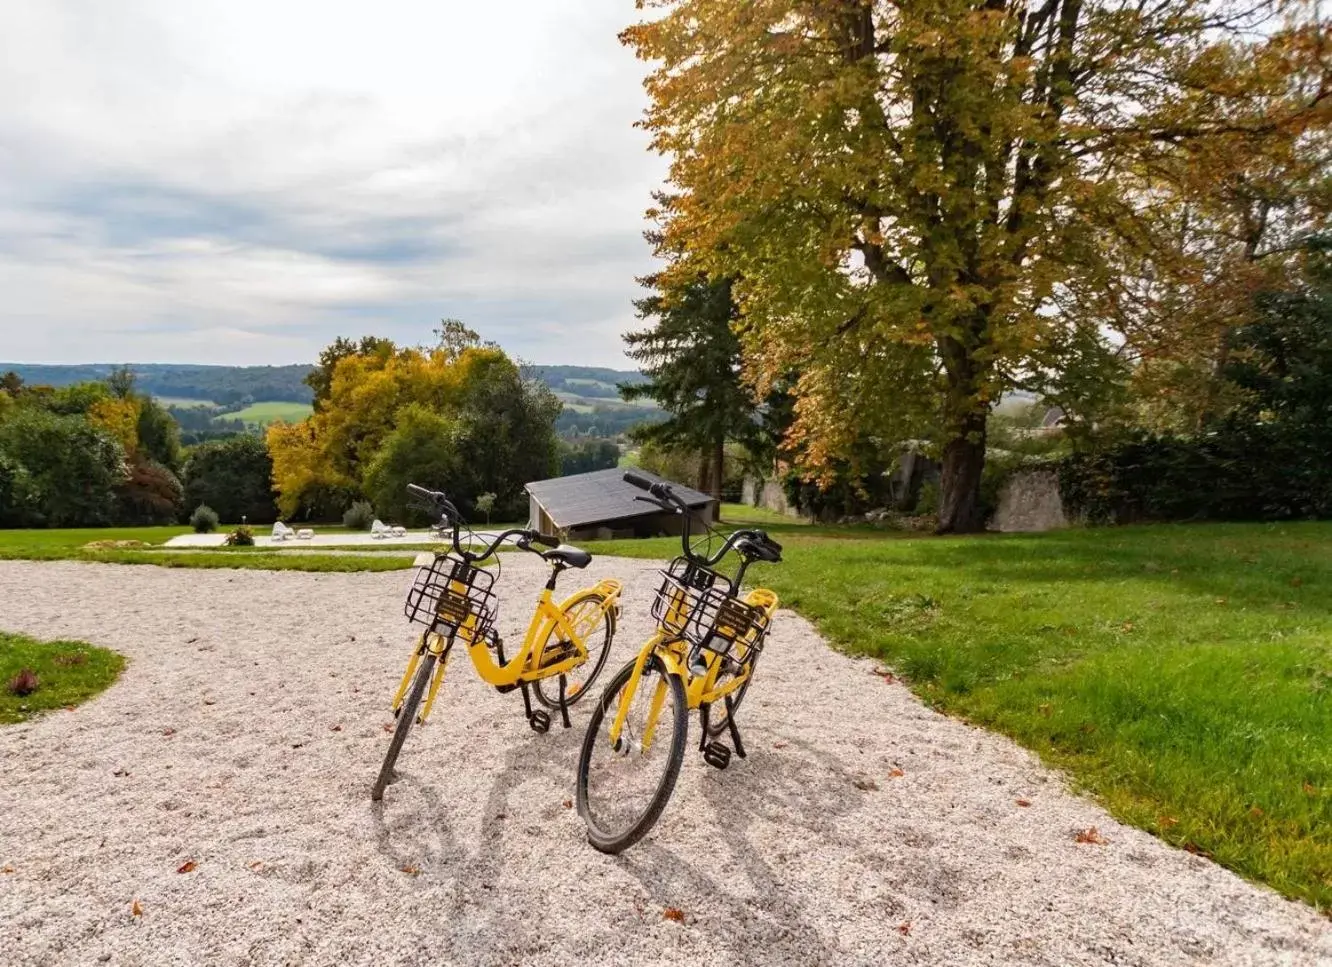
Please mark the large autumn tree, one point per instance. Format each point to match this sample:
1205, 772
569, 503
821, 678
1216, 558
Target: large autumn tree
904, 187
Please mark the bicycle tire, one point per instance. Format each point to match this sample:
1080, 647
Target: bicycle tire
598, 662
617, 841
406, 717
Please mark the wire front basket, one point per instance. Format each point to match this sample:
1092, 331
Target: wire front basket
699, 606
449, 595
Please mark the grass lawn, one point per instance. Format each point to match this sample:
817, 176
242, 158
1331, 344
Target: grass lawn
1180, 673
270, 411
68, 672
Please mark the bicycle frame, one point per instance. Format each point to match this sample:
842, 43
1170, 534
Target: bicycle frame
700, 689
526, 665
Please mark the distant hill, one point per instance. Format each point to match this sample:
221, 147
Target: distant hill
592, 404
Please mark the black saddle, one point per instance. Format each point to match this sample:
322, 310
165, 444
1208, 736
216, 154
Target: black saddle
567, 556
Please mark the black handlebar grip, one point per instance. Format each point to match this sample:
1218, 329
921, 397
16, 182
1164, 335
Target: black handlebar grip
638, 480
417, 491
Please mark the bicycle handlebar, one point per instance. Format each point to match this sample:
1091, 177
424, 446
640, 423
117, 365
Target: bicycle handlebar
448, 514
666, 497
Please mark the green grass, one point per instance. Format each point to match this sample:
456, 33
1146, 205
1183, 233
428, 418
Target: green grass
271, 411
1181, 674
68, 672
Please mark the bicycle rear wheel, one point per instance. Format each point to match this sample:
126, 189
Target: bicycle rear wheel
597, 628
622, 789
406, 717
717, 714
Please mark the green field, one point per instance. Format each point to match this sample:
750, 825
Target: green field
271, 411
184, 403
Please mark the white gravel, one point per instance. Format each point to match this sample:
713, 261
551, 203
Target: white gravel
245, 733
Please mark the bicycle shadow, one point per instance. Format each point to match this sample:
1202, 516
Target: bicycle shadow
766, 919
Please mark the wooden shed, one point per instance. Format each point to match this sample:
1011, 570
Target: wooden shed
601, 505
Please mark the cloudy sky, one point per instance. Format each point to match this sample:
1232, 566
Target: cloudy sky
239, 181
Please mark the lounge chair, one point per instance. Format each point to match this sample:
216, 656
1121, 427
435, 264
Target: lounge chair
379, 530
304, 534
281, 532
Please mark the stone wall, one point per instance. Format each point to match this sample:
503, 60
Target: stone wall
1030, 501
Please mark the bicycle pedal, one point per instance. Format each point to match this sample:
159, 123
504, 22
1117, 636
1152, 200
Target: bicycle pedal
539, 721
717, 755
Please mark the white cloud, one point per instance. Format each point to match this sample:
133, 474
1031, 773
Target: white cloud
241, 181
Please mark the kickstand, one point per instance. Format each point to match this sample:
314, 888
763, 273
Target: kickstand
703, 725
564, 706
735, 733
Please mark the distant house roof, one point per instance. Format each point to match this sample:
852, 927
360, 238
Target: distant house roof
600, 497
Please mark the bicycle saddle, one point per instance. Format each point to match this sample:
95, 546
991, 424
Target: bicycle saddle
567, 556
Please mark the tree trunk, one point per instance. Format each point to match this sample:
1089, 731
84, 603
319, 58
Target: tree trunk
718, 474
705, 471
960, 510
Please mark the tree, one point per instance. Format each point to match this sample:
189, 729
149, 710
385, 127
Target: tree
234, 477
424, 450
62, 471
691, 357
587, 456
485, 504
320, 379
150, 495
158, 434
901, 189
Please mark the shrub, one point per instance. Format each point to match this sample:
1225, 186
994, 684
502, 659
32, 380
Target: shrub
204, 519
24, 683
359, 516
241, 537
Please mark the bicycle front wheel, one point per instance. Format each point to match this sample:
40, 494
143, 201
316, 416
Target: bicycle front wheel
624, 786
406, 718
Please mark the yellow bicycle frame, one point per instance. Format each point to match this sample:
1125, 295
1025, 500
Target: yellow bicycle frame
700, 689
549, 621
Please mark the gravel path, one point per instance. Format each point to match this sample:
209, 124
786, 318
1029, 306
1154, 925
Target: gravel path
248, 726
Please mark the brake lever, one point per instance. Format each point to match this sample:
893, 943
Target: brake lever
659, 503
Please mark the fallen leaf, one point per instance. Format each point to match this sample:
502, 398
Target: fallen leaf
1090, 835
1296, 582
1024, 802
1196, 850
6, 869
868, 785
336, 728
135, 909
387, 726
191, 641
779, 745
210, 701
1255, 811
1127, 626
168, 731
257, 865
896, 773
574, 689
673, 913
1168, 821
568, 804
69, 708
904, 928
121, 772
887, 676
1045, 709
410, 870
1309, 789
297, 745
187, 867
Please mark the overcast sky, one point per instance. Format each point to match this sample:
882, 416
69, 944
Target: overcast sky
239, 181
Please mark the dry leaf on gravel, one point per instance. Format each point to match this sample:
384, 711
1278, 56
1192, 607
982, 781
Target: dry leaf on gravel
1168, 821
336, 728
121, 772
868, 785
887, 676
6, 869
410, 870
904, 929
1023, 802
257, 865
1090, 835
673, 913
387, 726
187, 867
896, 773
568, 804
135, 909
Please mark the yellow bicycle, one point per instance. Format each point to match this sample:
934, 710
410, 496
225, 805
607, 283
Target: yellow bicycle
702, 656
455, 600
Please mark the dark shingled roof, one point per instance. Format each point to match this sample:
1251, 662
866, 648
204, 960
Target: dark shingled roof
600, 497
